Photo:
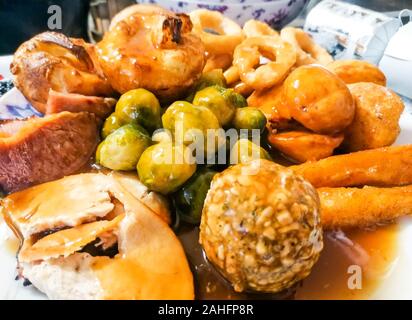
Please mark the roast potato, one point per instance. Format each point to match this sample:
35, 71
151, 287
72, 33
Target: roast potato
353, 71
376, 122
50, 60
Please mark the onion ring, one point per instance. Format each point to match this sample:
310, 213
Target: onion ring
255, 28
308, 52
228, 33
231, 75
243, 89
247, 56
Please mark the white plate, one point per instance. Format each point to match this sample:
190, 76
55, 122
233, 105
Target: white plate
397, 283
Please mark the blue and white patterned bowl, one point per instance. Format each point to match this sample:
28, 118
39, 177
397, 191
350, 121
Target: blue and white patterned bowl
277, 13
13, 105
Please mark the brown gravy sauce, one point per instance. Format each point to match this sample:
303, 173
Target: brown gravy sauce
373, 250
12, 245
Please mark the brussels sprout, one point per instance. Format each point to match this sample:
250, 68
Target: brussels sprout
139, 106
210, 78
111, 124
99, 148
161, 136
245, 150
237, 99
188, 124
122, 149
221, 101
164, 167
190, 198
249, 118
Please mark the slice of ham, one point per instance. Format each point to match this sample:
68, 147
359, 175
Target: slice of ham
73, 102
37, 150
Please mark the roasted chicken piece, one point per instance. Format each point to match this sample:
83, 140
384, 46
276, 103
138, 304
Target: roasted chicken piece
270, 101
37, 150
50, 60
52, 205
152, 49
87, 237
303, 146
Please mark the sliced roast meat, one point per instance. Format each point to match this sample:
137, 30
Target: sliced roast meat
37, 150
72, 102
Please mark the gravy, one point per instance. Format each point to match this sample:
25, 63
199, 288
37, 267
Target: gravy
372, 250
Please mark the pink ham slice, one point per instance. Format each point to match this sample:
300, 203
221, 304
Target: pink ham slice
72, 102
37, 150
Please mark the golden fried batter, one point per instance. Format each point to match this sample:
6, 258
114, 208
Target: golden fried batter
307, 50
353, 71
390, 166
303, 146
376, 122
353, 207
153, 50
221, 61
137, 8
318, 99
270, 102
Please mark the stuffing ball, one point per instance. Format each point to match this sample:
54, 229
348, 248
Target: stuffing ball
261, 226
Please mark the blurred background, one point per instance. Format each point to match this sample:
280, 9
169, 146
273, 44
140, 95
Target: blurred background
88, 19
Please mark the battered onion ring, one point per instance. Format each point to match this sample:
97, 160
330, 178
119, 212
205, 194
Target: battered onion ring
255, 28
228, 33
231, 75
308, 52
243, 89
281, 56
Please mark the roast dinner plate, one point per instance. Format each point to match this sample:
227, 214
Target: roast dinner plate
385, 254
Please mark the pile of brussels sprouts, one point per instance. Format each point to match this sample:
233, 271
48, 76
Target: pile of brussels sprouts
132, 139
